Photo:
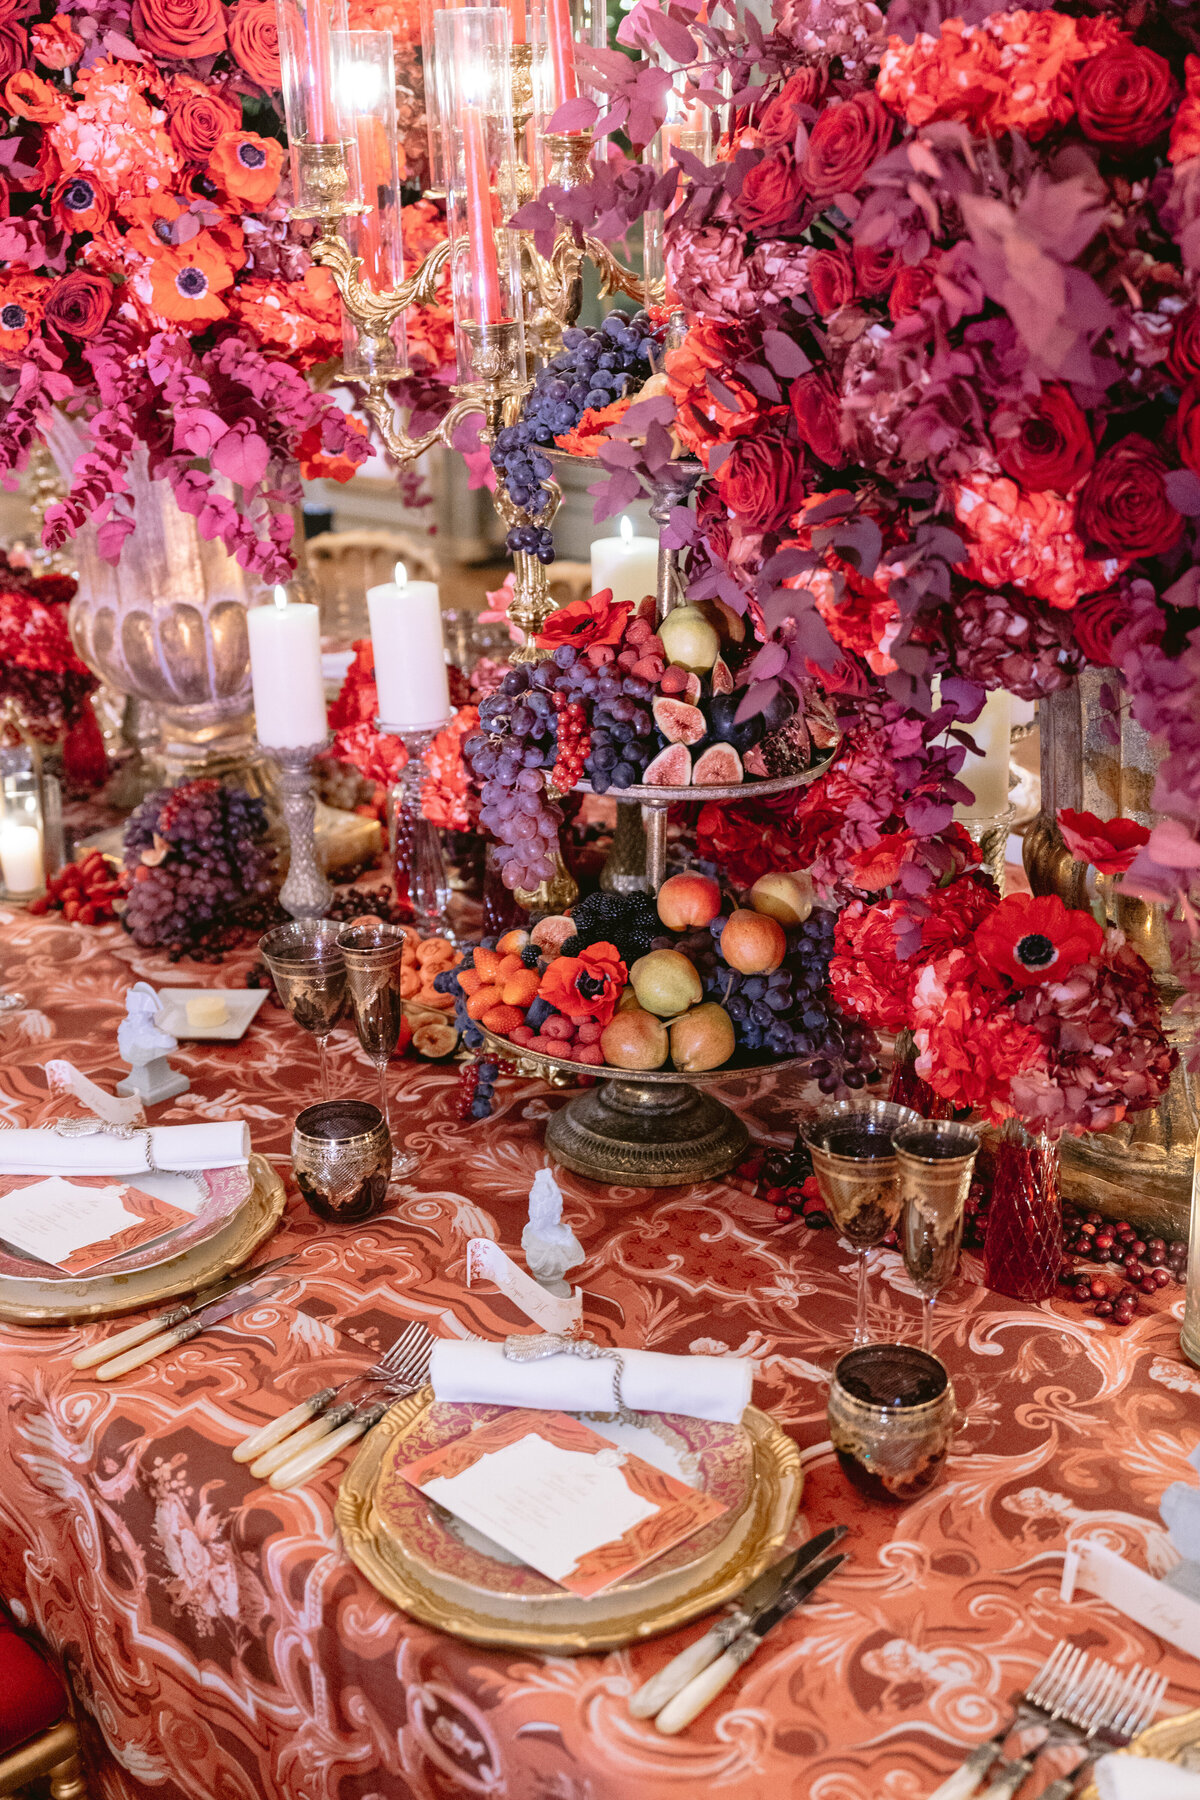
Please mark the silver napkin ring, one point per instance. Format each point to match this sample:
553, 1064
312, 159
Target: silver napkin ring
81, 1128
554, 1343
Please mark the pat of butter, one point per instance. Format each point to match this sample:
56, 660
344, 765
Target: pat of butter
205, 1013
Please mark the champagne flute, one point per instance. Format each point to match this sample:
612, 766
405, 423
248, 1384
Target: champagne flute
855, 1165
935, 1159
309, 972
374, 953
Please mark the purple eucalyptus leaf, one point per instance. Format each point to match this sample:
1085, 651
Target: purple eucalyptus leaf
927, 817
574, 115
757, 698
1183, 491
967, 697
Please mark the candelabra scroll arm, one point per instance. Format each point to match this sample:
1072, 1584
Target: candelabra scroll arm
362, 302
377, 402
615, 278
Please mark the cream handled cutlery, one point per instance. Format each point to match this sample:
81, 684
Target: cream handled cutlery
306, 1462
653, 1695
703, 1689
179, 1334
107, 1348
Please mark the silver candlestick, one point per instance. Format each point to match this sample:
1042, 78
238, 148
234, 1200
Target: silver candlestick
428, 883
306, 893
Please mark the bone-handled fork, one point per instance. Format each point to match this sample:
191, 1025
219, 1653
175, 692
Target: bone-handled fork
280, 1438
1124, 1706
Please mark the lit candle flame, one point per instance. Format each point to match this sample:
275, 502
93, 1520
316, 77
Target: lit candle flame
281, 598
401, 575
627, 529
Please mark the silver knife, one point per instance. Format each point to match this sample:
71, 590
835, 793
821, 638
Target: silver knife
137, 1334
179, 1334
653, 1695
703, 1690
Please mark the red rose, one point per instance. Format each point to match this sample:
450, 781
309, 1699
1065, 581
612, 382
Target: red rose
1123, 505
178, 30
713, 521
14, 49
830, 280
1053, 448
1187, 427
1126, 95
1096, 621
79, 304
875, 267
911, 286
843, 144
817, 411
772, 196
781, 118
254, 40
761, 481
1183, 358
197, 116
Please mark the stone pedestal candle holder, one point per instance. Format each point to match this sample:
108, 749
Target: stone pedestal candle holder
306, 893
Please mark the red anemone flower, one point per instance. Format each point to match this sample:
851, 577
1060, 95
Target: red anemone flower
1110, 845
586, 986
1033, 937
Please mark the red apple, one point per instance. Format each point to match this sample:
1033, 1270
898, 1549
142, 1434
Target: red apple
688, 900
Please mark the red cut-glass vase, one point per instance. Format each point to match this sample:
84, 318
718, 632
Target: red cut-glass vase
1022, 1252
907, 1088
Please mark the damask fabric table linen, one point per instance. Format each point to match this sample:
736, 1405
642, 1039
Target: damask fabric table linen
226, 1648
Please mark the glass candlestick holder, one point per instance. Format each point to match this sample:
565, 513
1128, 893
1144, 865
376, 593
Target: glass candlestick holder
415, 844
306, 893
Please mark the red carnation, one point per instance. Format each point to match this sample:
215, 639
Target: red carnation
1123, 504
817, 412
1053, 448
1125, 95
843, 144
1033, 937
1110, 845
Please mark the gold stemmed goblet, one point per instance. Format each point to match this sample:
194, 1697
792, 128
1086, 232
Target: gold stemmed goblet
309, 972
374, 953
935, 1158
854, 1161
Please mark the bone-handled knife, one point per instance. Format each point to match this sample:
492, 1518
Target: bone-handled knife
109, 1347
276, 1455
653, 1695
275, 1430
179, 1334
307, 1461
704, 1688
967, 1777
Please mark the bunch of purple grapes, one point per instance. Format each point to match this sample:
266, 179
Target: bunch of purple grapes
593, 369
509, 758
623, 739
789, 1012
195, 857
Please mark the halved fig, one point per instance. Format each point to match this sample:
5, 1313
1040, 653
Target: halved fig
679, 722
672, 767
719, 766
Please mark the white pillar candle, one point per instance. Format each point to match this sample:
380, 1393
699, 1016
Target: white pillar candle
626, 564
285, 668
986, 772
21, 866
410, 656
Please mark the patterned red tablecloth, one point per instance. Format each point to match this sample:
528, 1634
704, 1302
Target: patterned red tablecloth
228, 1650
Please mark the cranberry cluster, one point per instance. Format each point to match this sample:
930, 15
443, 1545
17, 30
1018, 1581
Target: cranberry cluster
574, 743
783, 1180
1147, 1264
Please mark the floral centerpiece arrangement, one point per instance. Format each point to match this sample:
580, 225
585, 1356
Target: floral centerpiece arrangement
151, 285
942, 371
44, 688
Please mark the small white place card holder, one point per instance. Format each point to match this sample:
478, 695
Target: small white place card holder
1162, 1609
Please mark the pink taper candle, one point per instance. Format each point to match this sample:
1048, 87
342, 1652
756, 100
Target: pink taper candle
561, 39
480, 223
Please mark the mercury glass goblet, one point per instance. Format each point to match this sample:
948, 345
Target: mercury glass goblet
309, 971
892, 1419
935, 1159
854, 1162
374, 953
342, 1159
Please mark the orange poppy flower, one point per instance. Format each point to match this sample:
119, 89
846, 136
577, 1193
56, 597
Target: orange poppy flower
79, 203
247, 166
317, 464
22, 301
586, 986
186, 279
32, 98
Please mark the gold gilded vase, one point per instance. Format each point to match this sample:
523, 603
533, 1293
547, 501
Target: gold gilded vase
1096, 758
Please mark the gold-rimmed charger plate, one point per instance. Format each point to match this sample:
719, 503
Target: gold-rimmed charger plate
1169, 1740
647, 1605
32, 1300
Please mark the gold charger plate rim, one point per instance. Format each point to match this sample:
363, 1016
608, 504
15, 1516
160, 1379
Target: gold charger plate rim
253, 1223
1165, 1740
360, 1526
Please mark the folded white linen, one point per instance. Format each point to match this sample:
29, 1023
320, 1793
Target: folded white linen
701, 1387
1144, 1778
221, 1145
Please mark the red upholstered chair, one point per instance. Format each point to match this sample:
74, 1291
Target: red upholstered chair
37, 1736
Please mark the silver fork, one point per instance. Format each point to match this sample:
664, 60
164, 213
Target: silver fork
345, 1425
1064, 1688
1125, 1706
310, 1419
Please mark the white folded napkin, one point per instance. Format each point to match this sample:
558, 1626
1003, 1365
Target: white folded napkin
209, 1146
701, 1387
1144, 1778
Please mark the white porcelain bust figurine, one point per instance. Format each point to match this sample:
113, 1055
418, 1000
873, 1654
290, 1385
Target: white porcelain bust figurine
145, 1047
551, 1248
